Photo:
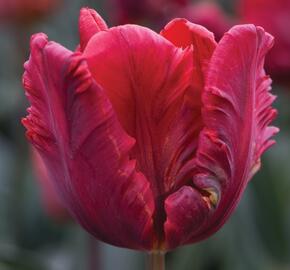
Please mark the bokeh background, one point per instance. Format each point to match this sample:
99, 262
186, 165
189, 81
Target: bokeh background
36, 234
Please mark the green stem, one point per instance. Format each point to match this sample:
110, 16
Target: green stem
156, 260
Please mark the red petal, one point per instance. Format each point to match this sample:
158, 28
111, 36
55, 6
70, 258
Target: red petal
147, 79
183, 33
90, 23
150, 77
236, 115
73, 126
186, 212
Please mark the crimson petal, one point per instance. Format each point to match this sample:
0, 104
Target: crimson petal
150, 79
72, 125
183, 33
90, 23
236, 115
147, 79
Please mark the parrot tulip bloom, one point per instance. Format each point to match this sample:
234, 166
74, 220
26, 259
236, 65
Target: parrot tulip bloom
150, 138
274, 16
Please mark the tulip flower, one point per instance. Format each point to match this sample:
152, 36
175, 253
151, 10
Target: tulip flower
274, 16
25, 11
150, 139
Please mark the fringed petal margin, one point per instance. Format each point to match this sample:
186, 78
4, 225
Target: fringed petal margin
74, 128
236, 114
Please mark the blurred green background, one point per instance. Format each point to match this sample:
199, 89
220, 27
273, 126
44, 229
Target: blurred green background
256, 237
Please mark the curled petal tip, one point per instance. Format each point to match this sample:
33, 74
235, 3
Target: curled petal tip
90, 23
88, 15
38, 40
85, 10
255, 30
186, 210
183, 33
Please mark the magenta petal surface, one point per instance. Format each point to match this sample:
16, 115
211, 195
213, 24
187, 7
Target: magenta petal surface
236, 115
183, 34
90, 23
150, 139
148, 80
72, 125
186, 212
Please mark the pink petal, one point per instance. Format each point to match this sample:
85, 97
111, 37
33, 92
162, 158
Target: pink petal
147, 79
72, 125
90, 23
236, 115
186, 212
183, 33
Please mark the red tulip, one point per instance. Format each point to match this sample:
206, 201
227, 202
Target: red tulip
150, 138
274, 16
50, 198
25, 10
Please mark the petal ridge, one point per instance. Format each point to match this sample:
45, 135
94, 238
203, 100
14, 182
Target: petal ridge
235, 118
235, 132
150, 93
90, 23
74, 128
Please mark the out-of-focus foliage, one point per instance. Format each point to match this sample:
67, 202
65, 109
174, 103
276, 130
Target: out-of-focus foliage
261, 12
256, 237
